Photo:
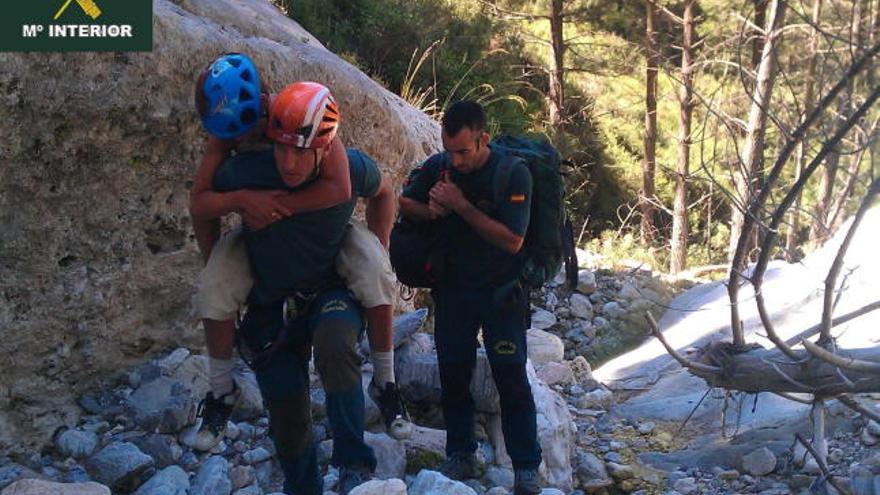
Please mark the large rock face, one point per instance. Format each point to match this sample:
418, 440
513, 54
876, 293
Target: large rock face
97, 259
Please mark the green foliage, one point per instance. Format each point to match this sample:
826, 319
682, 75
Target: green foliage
433, 52
422, 459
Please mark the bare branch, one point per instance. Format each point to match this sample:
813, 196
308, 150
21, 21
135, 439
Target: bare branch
685, 362
794, 398
847, 363
831, 279
668, 13
859, 408
803, 386
514, 14
768, 324
822, 466
840, 320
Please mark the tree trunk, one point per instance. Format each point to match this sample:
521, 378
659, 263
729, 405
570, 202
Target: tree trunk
678, 255
791, 236
760, 20
821, 227
753, 150
648, 166
556, 94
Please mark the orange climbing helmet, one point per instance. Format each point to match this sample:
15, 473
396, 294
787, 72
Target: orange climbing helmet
304, 115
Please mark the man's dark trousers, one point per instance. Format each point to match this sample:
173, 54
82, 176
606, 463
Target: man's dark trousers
502, 312
332, 325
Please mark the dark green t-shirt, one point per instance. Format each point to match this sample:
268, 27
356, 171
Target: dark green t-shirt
471, 261
296, 253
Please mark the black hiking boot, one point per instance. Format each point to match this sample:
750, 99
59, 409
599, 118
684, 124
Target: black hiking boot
525, 482
461, 466
394, 413
214, 414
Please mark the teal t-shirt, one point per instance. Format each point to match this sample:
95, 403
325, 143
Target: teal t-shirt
471, 261
296, 253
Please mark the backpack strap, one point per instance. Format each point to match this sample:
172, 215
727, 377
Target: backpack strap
502, 177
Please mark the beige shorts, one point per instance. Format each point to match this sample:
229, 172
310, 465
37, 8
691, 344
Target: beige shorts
226, 280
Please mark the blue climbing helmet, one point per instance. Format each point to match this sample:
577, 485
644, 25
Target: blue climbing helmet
228, 96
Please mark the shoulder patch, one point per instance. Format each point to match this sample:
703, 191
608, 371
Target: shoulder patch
334, 305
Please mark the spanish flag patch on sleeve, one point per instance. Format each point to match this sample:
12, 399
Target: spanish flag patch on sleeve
517, 198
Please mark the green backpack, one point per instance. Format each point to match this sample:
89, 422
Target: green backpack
549, 240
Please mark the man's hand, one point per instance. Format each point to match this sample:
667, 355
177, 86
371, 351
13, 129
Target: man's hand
447, 195
436, 210
260, 209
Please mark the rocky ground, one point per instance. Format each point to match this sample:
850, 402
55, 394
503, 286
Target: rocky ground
134, 437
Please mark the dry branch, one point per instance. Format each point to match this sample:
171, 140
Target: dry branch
692, 365
835, 359
840, 320
859, 408
834, 271
823, 466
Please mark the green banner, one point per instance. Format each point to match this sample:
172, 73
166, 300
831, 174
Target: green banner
77, 26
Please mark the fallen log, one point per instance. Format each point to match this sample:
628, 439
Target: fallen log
764, 370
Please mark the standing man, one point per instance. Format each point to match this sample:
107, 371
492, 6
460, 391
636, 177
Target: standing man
231, 102
480, 288
298, 303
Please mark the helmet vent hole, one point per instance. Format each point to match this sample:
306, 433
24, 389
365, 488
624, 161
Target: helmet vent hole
248, 116
245, 95
234, 61
246, 75
305, 131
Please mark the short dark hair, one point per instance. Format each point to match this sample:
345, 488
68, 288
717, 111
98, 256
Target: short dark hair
464, 113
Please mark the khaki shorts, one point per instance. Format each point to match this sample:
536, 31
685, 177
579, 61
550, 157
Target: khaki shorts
226, 280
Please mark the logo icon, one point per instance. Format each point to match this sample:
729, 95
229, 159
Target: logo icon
77, 26
88, 6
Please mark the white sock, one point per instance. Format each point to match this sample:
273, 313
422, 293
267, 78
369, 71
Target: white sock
383, 367
220, 376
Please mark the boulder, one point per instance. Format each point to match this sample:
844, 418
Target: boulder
169, 481
434, 483
587, 282
162, 448
41, 487
212, 478
591, 473
241, 476
77, 443
100, 250
427, 439
544, 347
390, 453
543, 319
380, 487
163, 405
759, 462
580, 306
555, 373
13, 472
121, 466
